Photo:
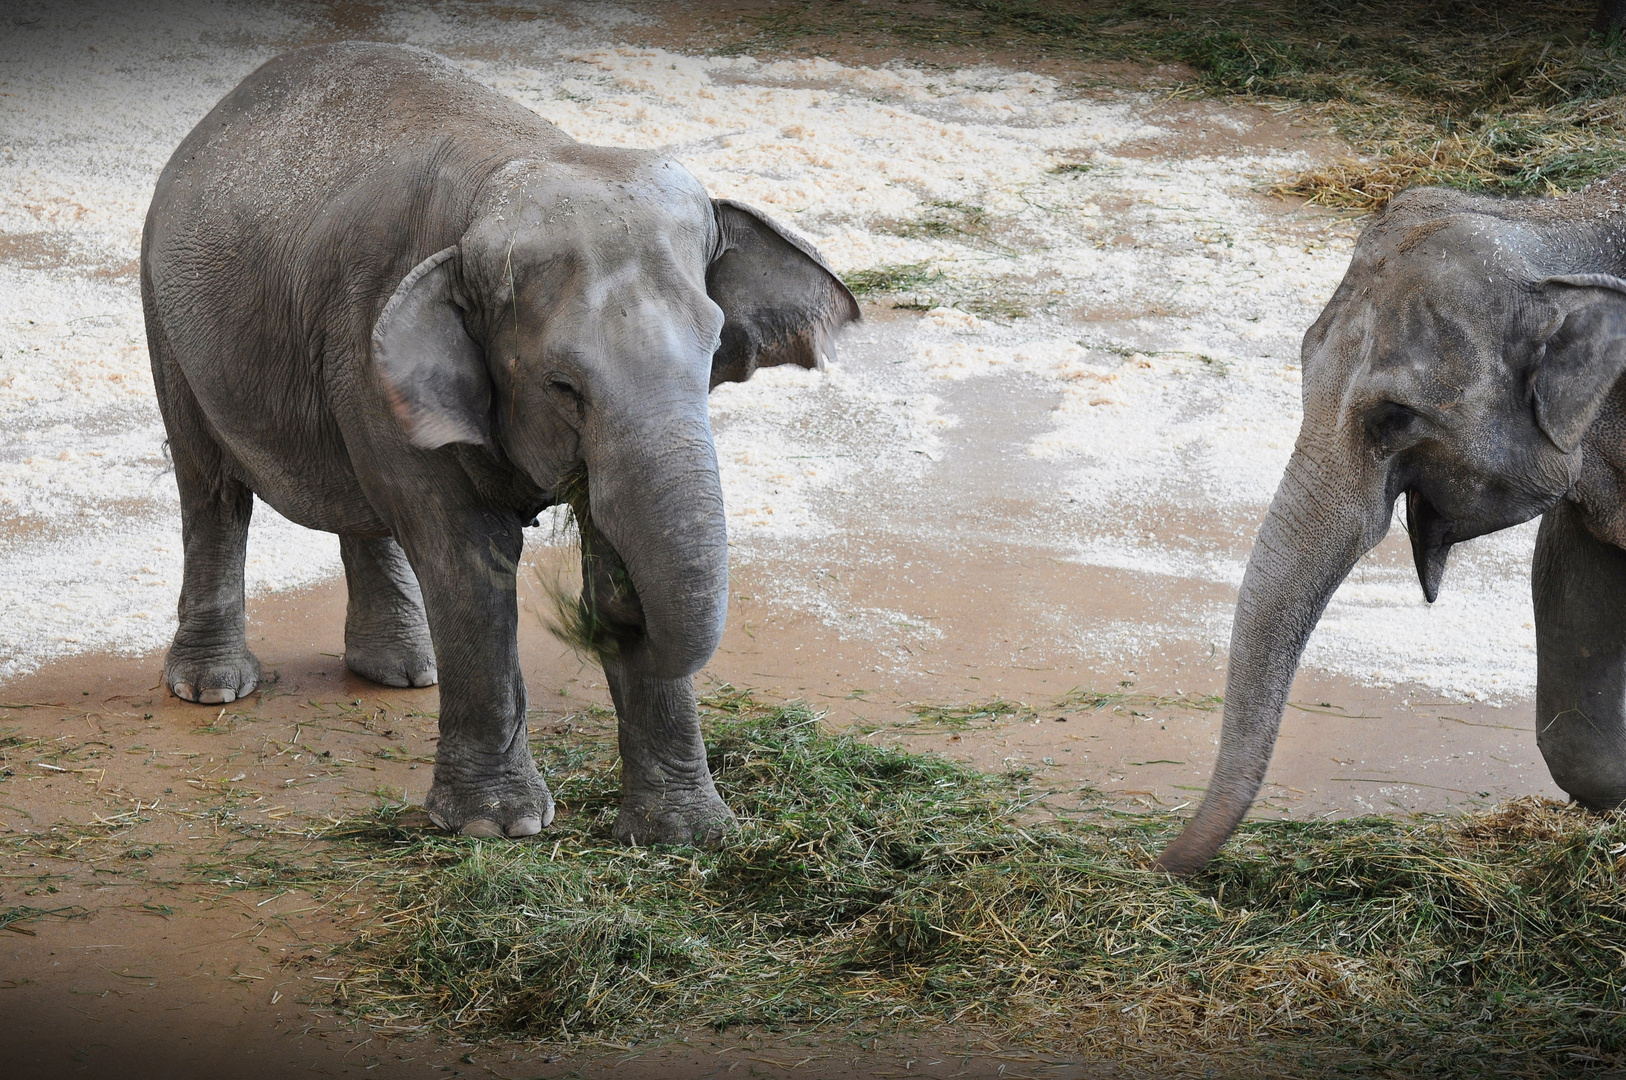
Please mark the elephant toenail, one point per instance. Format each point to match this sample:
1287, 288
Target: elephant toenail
481, 827
185, 691
547, 816
219, 696
529, 825
440, 822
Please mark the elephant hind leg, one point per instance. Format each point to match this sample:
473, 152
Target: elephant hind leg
1579, 587
209, 660
386, 635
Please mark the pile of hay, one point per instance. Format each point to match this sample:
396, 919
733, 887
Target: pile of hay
870, 887
1517, 97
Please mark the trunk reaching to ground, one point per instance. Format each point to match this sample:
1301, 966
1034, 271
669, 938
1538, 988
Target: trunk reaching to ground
1611, 16
1310, 540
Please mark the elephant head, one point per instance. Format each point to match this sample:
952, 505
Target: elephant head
581, 318
1459, 364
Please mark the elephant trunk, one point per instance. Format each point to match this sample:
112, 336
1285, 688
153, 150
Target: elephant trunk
657, 501
1318, 526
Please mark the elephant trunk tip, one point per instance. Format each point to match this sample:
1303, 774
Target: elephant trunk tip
1216, 819
1192, 850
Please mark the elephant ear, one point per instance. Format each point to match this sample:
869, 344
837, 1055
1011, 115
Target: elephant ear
782, 304
433, 373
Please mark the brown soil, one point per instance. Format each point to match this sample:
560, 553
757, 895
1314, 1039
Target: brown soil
47, 251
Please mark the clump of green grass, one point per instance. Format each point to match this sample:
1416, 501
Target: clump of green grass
946, 218
870, 887
1516, 97
965, 717
1096, 700
893, 278
998, 710
920, 286
996, 307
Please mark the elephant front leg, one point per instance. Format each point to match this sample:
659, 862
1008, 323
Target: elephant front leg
667, 794
209, 660
486, 782
386, 634
1579, 587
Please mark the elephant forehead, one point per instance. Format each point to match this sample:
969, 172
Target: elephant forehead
1440, 350
593, 297
639, 317
1413, 347
629, 280
600, 236
1448, 304
604, 189
1467, 270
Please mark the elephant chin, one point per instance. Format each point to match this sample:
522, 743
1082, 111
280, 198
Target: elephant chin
1430, 542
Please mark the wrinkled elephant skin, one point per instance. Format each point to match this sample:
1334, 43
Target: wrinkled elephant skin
1469, 363
400, 308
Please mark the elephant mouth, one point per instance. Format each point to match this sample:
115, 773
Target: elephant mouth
1431, 541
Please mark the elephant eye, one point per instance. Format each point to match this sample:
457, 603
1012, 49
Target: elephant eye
566, 395
1391, 425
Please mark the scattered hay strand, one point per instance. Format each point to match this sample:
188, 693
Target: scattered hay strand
13, 918
873, 887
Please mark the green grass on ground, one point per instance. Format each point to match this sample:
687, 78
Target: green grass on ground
1518, 97
871, 889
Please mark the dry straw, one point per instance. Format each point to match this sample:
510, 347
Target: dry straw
871, 889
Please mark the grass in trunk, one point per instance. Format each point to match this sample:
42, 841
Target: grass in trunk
1516, 97
575, 619
872, 889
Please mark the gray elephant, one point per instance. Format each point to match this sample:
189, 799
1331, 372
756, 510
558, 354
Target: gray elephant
399, 307
1468, 362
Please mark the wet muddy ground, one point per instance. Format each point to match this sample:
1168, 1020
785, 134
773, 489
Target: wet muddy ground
928, 530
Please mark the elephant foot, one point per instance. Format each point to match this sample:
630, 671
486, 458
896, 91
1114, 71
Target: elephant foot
217, 679
1598, 800
699, 818
513, 806
386, 633
392, 660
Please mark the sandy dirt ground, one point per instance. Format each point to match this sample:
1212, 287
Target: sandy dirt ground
1035, 483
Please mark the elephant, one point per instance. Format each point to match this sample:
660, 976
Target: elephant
401, 308
1468, 361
